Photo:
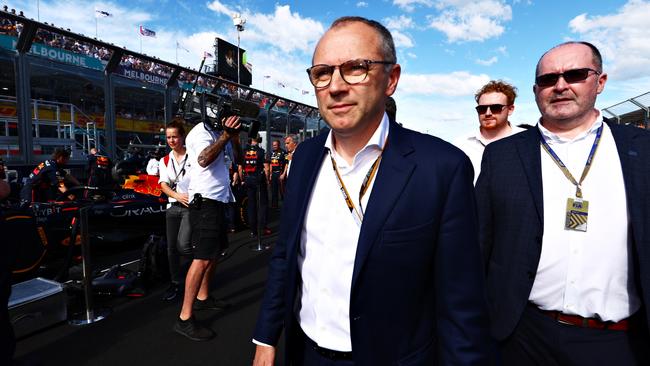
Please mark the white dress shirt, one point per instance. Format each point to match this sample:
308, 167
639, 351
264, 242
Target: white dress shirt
328, 245
152, 166
585, 273
474, 145
174, 173
213, 181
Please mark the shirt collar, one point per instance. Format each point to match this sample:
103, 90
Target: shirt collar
377, 141
550, 137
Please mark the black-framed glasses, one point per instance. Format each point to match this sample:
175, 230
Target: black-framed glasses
494, 108
570, 76
352, 72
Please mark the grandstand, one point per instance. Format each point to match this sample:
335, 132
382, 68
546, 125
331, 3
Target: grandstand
60, 88
634, 111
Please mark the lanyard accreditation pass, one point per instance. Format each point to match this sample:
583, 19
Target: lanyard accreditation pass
577, 209
357, 213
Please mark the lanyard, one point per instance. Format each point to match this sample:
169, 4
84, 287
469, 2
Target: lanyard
357, 214
182, 167
563, 167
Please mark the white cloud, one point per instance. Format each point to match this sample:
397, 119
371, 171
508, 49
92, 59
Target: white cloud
622, 38
412, 55
488, 62
465, 20
457, 83
399, 23
409, 5
402, 40
362, 4
218, 7
503, 50
283, 29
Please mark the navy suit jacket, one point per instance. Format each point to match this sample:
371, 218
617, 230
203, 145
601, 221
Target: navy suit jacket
511, 213
417, 295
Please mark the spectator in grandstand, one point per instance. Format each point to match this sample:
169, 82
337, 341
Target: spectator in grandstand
255, 173
564, 213
209, 191
277, 161
496, 102
173, 169
47, 179
389, 285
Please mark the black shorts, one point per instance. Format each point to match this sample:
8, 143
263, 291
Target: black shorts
209, 232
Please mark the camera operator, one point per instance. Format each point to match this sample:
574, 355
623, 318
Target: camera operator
255, 173
209, 190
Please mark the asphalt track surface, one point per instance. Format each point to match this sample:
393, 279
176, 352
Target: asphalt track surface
139, 331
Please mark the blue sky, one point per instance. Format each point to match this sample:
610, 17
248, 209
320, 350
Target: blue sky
447, 48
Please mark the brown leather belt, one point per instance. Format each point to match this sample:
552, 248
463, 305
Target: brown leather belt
579, 321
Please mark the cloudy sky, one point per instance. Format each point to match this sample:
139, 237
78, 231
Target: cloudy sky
447, 48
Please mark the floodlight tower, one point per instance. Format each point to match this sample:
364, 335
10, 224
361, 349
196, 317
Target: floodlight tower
239, 23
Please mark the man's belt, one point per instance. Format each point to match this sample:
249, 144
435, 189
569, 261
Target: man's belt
579, 321
325, 352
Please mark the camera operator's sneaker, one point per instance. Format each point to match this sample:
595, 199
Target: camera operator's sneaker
210, 304
192, 330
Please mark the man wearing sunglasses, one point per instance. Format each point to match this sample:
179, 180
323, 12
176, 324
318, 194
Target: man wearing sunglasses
563, 210
377, 261
496, 102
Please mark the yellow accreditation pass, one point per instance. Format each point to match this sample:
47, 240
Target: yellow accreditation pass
577, 211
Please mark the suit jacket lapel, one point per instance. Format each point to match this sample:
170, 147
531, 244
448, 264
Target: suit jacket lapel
531, 160
392, 176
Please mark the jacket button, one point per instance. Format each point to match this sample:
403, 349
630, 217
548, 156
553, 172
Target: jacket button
355, 318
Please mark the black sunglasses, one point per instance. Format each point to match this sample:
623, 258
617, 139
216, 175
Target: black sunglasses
570, 76
352, 72
494, 108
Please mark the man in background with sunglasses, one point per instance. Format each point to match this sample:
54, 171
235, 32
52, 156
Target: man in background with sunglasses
564, 216
496, 102
377, 261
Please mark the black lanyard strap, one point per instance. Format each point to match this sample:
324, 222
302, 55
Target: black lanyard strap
182, 172
563, 167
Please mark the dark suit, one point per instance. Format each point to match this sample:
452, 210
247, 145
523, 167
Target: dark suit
417, 291
511, 212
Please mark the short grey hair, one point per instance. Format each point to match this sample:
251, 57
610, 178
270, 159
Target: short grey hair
387, 43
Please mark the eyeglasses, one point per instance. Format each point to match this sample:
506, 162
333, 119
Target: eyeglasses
570, 76
352, 72
494, 108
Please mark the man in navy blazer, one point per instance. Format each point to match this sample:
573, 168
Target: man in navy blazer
564, 215
377, 261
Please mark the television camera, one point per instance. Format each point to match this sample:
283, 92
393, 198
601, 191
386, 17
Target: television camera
214, 109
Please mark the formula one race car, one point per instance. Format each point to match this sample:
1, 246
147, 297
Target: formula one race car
46, 232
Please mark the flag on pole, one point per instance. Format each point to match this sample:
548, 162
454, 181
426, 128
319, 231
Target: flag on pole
304, 92
178, 45
207, 54
147, 32
267, 76
102, 14
281, 85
